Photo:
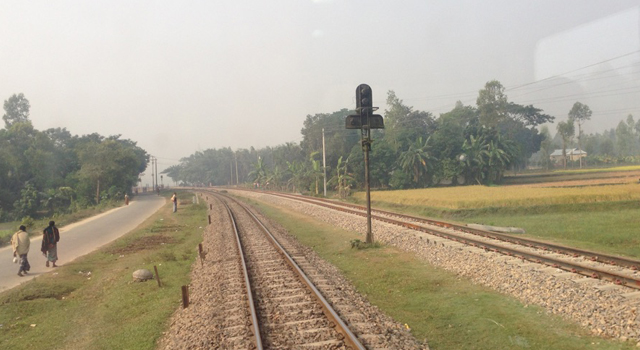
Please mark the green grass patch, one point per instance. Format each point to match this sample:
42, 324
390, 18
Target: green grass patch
92, 303
613, 229
608, 227
450, 312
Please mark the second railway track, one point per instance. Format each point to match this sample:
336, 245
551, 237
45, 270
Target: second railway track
618, 270
599, 305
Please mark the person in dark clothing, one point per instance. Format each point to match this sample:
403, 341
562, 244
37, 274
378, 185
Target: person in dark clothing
50, 239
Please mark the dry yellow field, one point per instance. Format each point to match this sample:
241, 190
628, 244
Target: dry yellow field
468, 197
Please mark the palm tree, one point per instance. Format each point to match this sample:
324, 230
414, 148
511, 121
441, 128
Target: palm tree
316, 169
295, 169
275, 178
259, 173
474, 162
417, 160
496, 160
339, 181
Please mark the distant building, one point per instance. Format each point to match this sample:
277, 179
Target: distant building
573, 154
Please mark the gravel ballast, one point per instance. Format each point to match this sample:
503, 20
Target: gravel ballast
211, 320
601, 307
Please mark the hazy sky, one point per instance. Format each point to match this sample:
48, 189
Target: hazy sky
182, 76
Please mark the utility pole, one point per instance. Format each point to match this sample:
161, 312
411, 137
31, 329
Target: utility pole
235, 156
158, 187
365, 120
324, 164
153, 186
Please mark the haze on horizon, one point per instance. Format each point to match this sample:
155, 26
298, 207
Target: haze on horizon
178, 77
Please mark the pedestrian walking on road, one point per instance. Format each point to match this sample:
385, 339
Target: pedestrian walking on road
50, 239
174, 199
20, 243
126, 199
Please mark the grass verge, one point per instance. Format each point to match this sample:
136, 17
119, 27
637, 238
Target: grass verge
450, 312
92, 303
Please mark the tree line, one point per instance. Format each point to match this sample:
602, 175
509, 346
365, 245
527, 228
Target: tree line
467, 145
44, 173
616, 146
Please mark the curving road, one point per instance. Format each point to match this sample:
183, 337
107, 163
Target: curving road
80, 238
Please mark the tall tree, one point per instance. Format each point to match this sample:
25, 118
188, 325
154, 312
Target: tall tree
492, 104
579, 114
16, 110
403, 124
566, 131
545, 148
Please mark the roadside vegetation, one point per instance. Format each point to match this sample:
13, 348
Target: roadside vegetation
449, 312
48, 173
92, 302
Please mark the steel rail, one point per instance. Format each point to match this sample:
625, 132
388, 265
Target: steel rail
254, 317
333, 316
530, 242
564, 265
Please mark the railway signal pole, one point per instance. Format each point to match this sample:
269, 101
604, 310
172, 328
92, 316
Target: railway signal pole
365, 120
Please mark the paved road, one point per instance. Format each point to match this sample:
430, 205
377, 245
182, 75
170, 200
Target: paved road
80, 238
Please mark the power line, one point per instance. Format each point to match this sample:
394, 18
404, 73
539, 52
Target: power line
572, 71
575, 81
469, 100
634, 89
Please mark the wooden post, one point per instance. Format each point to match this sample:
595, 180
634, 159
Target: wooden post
185, 296
210, 206
209, 219
200, 254
157, 275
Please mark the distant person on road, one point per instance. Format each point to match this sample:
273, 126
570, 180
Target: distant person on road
20, 243
50, 239
126, 199
174, 200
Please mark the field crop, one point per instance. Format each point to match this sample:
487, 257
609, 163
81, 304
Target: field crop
473, 197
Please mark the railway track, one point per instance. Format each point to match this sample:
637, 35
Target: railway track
286, 310
275, 297
618, 270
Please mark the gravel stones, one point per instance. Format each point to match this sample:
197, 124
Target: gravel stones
213, 319
605, 312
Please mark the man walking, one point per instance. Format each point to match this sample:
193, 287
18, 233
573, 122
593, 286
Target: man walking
20, 243
50, 238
